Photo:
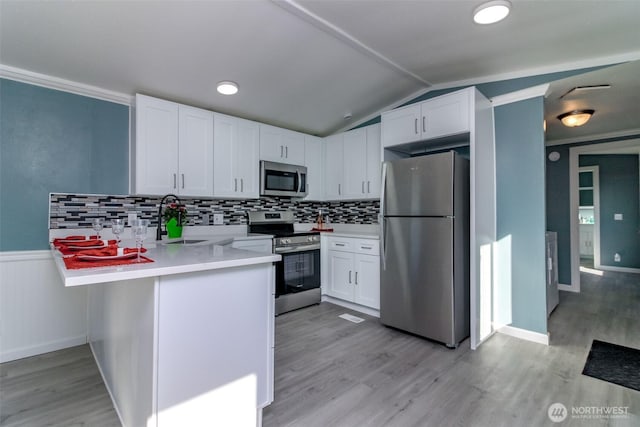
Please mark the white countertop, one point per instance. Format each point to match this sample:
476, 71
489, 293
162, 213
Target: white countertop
168, 259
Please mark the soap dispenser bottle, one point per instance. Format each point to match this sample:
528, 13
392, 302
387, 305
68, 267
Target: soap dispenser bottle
319, 220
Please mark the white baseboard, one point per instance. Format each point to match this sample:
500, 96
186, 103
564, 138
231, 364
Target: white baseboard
618, 269
355, 307
523, 334
34, 350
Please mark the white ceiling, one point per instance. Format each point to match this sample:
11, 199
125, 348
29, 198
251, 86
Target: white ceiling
617, 108
304, 65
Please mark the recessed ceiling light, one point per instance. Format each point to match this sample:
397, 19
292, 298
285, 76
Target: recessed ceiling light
227, 88
491, 12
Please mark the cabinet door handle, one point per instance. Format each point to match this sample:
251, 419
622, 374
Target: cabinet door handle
242, 185
281, 151
349, 276
286, 151
415, 125
356, 277
236, 184
424, 124
339, 244
363, 187
339, 192
368, 186
174, 180
182, 180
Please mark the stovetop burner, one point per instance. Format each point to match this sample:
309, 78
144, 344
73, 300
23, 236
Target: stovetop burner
279, 224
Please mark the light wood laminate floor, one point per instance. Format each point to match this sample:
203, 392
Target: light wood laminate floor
331, 372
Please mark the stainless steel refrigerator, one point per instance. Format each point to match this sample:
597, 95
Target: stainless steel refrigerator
424, 287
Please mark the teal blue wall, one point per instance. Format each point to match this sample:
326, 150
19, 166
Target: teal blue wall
558, 209
520, 207
619, 192
53, 141
558, 203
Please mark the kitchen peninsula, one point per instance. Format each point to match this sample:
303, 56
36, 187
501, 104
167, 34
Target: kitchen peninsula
187, 339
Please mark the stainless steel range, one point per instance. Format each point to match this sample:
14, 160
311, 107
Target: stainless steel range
298, 274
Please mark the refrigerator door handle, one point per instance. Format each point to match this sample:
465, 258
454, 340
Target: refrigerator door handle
381, 219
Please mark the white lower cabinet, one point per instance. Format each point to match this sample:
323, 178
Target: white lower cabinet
352, 270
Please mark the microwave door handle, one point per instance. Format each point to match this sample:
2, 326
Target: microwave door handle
299, 186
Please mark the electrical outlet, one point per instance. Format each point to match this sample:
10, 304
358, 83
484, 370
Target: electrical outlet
218, 219
132, 216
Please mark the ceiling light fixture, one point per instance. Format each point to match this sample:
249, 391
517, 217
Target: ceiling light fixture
227, 88
575, 118
491, 12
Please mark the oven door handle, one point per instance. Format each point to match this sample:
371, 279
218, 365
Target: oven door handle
296, 249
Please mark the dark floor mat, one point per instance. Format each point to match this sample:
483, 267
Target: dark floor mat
614, 363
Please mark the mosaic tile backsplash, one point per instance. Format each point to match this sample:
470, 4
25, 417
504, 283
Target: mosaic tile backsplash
76, 210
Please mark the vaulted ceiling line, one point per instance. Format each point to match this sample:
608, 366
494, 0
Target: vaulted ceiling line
322, 24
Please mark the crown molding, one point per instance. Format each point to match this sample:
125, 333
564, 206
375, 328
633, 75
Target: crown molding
50, 82
530, 72
520, 95
593, 138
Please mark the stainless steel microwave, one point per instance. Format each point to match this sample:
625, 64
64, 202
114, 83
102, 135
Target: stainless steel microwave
280, 179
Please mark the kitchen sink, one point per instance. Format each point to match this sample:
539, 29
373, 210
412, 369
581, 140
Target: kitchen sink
184, 242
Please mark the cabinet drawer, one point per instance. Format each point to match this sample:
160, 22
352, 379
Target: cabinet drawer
367, 246
336, 244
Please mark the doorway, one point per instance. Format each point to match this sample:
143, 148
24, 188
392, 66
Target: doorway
628, 147
589, 216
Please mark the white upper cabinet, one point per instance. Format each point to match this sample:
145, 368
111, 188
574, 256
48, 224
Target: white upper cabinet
401, 125
173, 149
235, 157
355, 164
374, 163
446, 115
352, 164
281, 145
195, 152
156, 149
314, 161
333, 166
438, 117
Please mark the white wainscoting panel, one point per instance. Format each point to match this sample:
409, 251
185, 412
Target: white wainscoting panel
37, 313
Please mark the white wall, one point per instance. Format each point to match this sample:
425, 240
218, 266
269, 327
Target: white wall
37, 313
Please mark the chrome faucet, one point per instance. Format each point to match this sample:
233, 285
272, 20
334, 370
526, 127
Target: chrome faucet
159, 231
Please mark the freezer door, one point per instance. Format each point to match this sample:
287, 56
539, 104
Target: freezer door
420, 186
416, 286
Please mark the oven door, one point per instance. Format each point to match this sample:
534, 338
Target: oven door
279, 179
297, 272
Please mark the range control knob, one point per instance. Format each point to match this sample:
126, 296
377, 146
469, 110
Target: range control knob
285, 241
310, 239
